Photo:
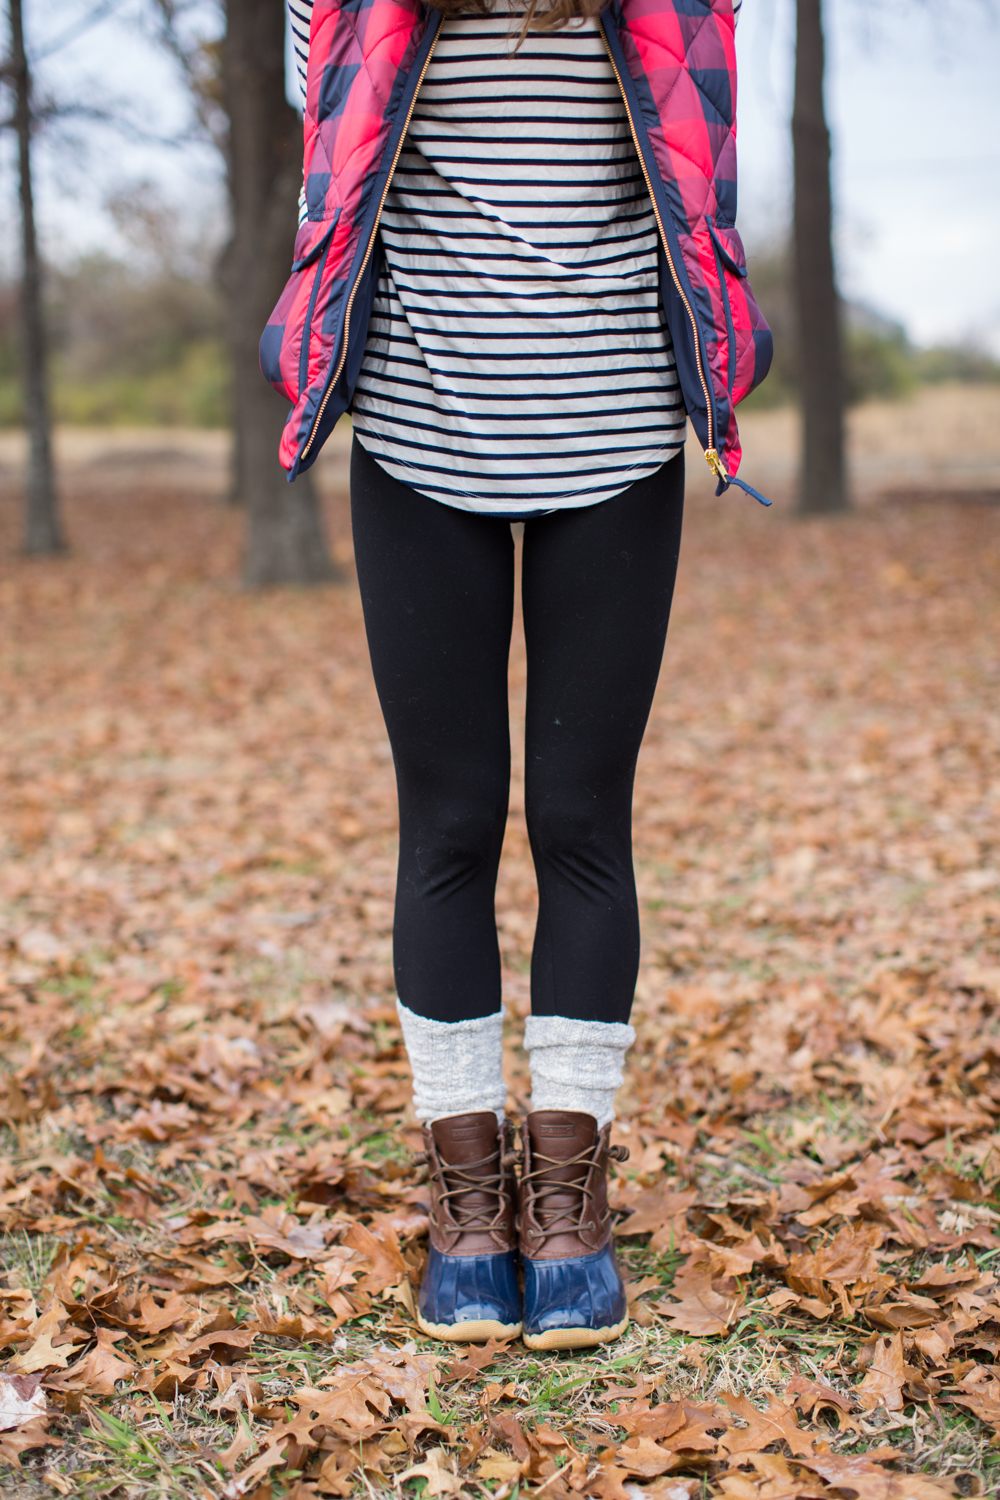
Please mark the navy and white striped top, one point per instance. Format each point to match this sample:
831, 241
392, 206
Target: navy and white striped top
517, 356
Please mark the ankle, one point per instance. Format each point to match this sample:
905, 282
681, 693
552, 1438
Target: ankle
457, 1065
576, 1066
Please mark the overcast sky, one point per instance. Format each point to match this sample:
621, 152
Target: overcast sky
911, 95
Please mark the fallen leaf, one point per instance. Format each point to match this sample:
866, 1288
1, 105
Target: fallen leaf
42, 1353
643, 1457
865, 1480
474, 1359
696, 1306
387, 1268
883, 1384
441, 1479
21, 1400
96, 1373
276, 1230
778, 1424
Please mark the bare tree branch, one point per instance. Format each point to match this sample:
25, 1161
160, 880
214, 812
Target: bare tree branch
79, 28
200, 63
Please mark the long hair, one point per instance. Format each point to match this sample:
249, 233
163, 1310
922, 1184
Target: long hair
539, 15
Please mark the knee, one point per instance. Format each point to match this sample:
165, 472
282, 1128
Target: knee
582, 833
452, 834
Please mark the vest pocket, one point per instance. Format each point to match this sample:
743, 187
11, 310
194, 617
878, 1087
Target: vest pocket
731, 262
730, 248
311, 240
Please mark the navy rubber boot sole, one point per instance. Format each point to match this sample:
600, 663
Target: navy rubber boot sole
470, 1298
574, 1303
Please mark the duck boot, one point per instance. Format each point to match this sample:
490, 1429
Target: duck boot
573, 1292
470, 1290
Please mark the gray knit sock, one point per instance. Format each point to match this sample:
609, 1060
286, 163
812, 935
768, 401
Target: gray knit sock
457, 1065
576, 1065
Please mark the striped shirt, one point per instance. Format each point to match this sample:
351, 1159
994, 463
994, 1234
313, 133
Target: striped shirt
517, 359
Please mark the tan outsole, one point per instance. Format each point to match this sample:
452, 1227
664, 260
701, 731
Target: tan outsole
475, 1331
574, 1338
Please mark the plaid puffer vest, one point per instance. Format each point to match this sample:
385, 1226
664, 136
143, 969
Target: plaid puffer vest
675, 62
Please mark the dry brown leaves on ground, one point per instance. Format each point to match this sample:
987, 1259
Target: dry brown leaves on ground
212, 1230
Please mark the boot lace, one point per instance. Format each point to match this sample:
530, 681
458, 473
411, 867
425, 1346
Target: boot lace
459, 1181
572, 1217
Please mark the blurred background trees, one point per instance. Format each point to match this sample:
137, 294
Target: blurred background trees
170, 333
880, 361
819, 344
237, 82
42, 527
159, 325
136, 340
285, 541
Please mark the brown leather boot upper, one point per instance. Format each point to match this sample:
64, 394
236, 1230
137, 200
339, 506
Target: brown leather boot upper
564, 1185
470, 1160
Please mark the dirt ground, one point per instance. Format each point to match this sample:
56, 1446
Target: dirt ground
211, 1227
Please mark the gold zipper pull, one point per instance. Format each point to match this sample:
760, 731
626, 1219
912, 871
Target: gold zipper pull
718, 468
715, 464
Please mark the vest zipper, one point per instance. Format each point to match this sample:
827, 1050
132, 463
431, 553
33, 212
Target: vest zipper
711, 455
331, 387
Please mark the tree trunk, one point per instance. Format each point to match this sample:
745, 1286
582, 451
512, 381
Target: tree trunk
285, 538
42, 531
820, 353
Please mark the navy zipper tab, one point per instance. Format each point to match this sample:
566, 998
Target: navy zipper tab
741, 484
718, 468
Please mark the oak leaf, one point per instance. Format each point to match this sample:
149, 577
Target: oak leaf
406, 1377
499, 1466
680, 1426
43, 1353
354, 1398
154, 1318
243, 1443
96, 1373
936, 1343
883, 1384
277, 1230
196, 1273
982, 1400
18, 1440
387, 1268
651, 1209
642, 1457
864, 1479
739, 1260
475, 1359
846, 1259
808, 1396
338, 1474
945, 1277
696, 1306
778, 1424
441, 1480
609, 1483
670, 1489
21, 1400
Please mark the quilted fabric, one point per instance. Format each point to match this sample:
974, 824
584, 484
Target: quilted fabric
676, 64
676, 61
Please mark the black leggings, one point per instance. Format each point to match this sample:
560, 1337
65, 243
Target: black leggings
437, 585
